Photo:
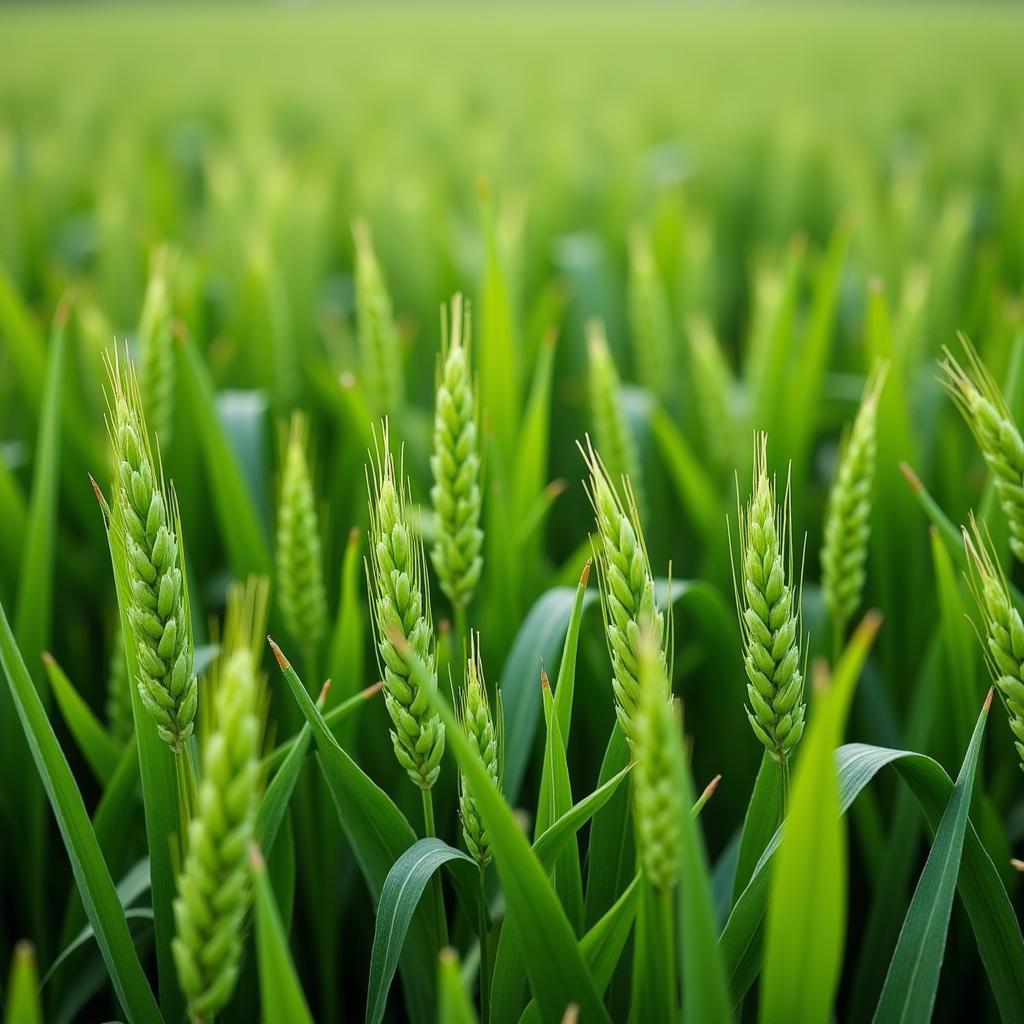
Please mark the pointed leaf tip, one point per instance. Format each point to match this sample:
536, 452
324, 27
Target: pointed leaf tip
282, 661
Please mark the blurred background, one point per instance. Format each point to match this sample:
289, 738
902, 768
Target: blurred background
751, 179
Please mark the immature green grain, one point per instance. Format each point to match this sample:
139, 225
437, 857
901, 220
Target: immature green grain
769, 614
657, 800
156, 349
148, 525
1003, 639
847, 522
213, 886
397, 579
300, 577
980, 401
377, 333
712, 393
120, 720
611, 426
486, 735
456, 468
650, 321
627, 589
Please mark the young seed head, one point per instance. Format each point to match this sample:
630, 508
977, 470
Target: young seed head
396, 574
712, 394
627, 588
658, 803
378, 336
650, 322
456, 467
983, 407
1001, 632
213, 885
300, 580
847, 522
146, 523
611, 427
156, 348
486, 735
769, 614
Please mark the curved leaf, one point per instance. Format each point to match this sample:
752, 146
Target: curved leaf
94, 882
913, 979
399, 898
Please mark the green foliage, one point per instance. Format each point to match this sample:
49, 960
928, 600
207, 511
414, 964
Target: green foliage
264, 242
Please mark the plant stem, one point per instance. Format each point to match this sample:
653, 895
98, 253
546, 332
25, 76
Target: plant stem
461, 638
783, 787
667, 899
429, 831
485, 959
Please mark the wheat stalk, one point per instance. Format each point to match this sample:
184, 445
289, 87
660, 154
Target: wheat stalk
626, 585
378, 335
1003, 629
213, 885
847, 522
712, 394
300, 580
650, 324
982, 405
150, 529
456, 468
769, 613
156, 348
396, 573
657, 800
611, 427
486, 735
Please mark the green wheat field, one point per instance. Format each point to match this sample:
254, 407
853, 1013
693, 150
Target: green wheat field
511, 514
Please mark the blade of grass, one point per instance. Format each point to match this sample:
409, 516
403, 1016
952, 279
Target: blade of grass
102, 905
22, 1004
281, 996
99, 750
913, 978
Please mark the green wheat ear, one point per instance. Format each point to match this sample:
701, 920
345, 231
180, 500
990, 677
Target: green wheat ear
486, 735
213, 885
156, 348
611, 427
378, 336
626, 585
658, 803
848, 520
982, 405
456, 466
769, 613
145, 520
650, 322
396, 574
1002, 632
300, 579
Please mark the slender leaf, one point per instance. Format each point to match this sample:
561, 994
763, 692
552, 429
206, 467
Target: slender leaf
281, 996
913, 979
94, 882
807, 911
454, 1005
23, 1005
